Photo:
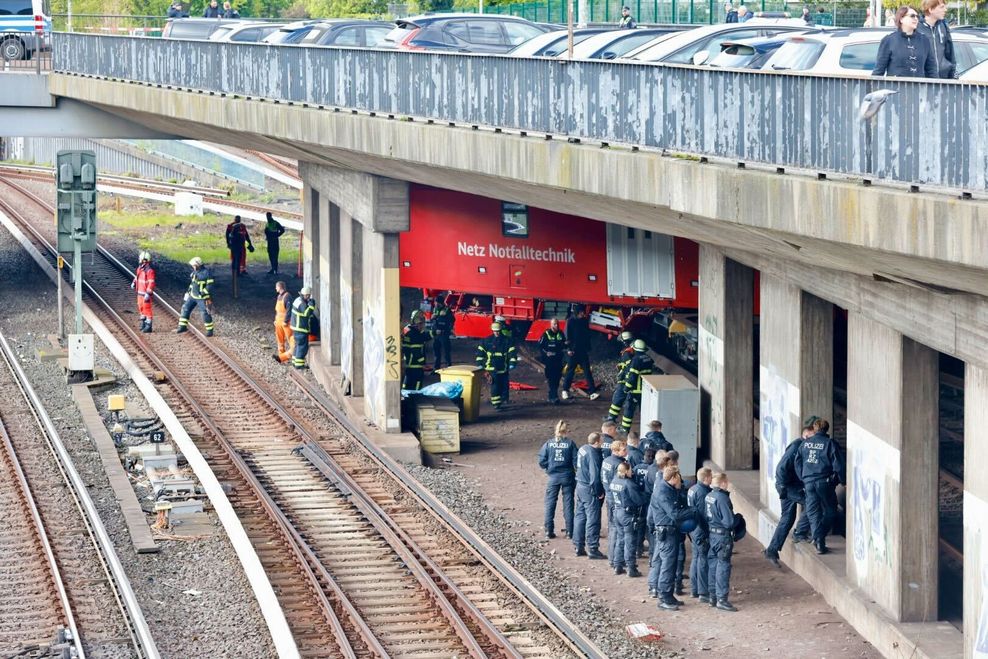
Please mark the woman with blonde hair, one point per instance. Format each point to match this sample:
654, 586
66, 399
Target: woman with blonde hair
558, 459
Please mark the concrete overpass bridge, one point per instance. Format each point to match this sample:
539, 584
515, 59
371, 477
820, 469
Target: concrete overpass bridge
887, 220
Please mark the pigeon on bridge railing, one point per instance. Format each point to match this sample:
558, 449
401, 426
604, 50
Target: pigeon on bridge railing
873, 102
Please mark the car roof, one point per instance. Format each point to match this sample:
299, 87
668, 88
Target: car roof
425, 19
676, 40
548, 38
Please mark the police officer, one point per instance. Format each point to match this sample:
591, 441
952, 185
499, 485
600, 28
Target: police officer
655, 438
791, 492
496, 355
144, 284
608, 430
628, 499
198, 295
608, 472
303, 314
640, 365
578, 352
552, 345
640, 472
700, 537
720, 523
558, 459
442, 330
635, 454
668, 512
589, 499
624, 357
819, 462
413, 339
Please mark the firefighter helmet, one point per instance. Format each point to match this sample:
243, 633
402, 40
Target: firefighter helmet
639, 345
627, 336
144, 256
306, 290
195, 262
495, 327
417, 317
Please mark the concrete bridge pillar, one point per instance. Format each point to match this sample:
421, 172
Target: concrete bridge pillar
310, 234
795, 377
725, 359
359, 217
975, 512
893, 469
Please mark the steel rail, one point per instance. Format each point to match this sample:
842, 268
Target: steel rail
26, 171
117, 577
303, 553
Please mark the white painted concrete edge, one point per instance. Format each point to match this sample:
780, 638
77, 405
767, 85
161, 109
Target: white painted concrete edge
274, 617
290, 181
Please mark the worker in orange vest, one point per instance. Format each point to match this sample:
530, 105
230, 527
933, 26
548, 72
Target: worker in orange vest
282, 330
144, 285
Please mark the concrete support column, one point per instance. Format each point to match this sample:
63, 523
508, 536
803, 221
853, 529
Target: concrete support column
795, 376
975, 513
310, 238
725, 359
893, 469
329, 274
351, 303
381, 331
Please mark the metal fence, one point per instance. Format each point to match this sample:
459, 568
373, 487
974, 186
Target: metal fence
929, 133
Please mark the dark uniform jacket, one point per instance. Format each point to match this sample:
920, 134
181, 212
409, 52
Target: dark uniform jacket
413, 346
202, 280
634, 456
819, 458
718, 510
558, 458
578, 335
211, 12
787, 481
666, 506
943, 47
605, 444
496, 354
640, 471
303, 312
442, 321
624, 358
625, 493
641, 364
273, 230
608, 471
696, 501
588, 463
656, 440
551, 345
906, 56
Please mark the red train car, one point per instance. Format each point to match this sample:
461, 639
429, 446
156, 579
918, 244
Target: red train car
529, 264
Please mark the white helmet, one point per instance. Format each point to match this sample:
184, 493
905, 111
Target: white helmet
196, 262
144, 256
306, 290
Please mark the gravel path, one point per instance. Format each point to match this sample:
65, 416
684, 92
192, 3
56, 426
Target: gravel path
219, 616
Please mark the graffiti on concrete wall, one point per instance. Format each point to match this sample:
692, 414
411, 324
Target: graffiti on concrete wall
374, 364
779, 405
975, 542
346, 330
711, 371
873, 464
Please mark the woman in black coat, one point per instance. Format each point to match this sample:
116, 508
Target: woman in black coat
905, 52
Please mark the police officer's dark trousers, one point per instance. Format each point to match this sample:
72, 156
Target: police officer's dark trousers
680, 559
700, 542
664, 561
586, 520
301, 349
621, 538
273, 249
617, 402
583, 361
556, 484
819, 508
786, 520
414, 376
721, 546
441, 347
613, 548
499, 388
187, 308
553, 372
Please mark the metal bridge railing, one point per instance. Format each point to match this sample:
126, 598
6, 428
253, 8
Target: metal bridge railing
927, 134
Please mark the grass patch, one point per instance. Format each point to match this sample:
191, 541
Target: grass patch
125, 221
210, 247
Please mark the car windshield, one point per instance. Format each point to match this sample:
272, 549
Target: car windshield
220, 32
795, 56
621, 47
660, 45
398, 34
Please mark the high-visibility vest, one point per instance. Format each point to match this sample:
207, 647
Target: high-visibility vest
302, 312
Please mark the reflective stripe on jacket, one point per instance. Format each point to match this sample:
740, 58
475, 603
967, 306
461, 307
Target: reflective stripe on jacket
302, 312
144, 279
202, 279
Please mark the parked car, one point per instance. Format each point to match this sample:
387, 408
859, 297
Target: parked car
744, 54
977, 73
616, 43
682, 47
18, 39
347, 32
243, 32
853, 52
553, 43
194, 28
464, 33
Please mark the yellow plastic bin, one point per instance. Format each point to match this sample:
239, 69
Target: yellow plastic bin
471, 379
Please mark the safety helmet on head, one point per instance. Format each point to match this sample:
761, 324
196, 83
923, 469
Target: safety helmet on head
195, 262
499, 319
306, 290
144, 255
627, 336
496, 327
418, 317
639, 345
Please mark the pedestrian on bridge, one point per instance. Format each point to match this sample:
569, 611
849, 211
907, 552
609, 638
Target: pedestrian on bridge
303, 318
212, 10
177, 11
198, 295
144, 285
905, 52
230, 12
558, 460
627, 21
282, 324
273, 230
238, 240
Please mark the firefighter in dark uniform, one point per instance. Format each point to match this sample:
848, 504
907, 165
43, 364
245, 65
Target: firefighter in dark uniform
413, 339
303, 316
589, 499
578, 352
719, 513
791, 493
628, 499
552, 344
558, 459
668, 513
198, 295
640, 365
496, 354
819, 464
700, 537
627, 352
442, 330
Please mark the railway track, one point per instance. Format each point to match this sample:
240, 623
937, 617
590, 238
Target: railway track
351, 557
278, 163
64, 592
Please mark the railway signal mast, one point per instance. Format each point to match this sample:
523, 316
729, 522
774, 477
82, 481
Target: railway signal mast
76, 221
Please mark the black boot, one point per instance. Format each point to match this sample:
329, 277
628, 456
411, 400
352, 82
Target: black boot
633, 572
821, 548
724, 605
